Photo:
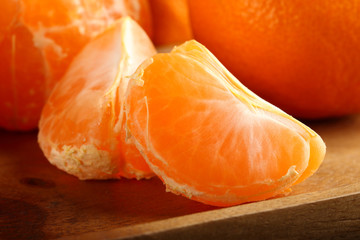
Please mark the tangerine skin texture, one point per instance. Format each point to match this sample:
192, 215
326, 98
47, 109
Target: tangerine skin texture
211, 139
171, 21
39, 39
301, 56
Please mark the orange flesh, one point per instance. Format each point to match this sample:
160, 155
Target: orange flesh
39, 39
82, 127
211, 139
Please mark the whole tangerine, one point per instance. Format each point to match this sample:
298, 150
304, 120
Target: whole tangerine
301, 56
171, 23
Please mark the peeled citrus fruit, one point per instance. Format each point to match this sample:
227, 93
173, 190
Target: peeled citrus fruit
81, 129
38, 40
211, 139
301, 56
171, 23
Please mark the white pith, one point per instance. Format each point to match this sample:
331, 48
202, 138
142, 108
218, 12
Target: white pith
86, 162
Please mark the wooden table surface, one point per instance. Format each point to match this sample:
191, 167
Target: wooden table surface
38, 201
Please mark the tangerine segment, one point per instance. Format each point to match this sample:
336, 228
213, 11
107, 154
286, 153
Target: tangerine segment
39, 39
81, 129
208, 137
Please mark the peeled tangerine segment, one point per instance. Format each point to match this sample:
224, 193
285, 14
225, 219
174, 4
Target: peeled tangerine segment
211, 139
38, 41
82, 126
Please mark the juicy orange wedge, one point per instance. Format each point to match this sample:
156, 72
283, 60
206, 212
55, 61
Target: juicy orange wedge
211, 139
81, 129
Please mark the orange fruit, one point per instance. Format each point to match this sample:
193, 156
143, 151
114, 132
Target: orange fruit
211, 139
81, 129
301, 56
38, 40
171, 21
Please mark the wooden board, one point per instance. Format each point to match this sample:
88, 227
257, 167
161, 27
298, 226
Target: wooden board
38, 201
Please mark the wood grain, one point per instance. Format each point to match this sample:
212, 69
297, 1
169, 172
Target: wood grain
38, 201
320, 215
